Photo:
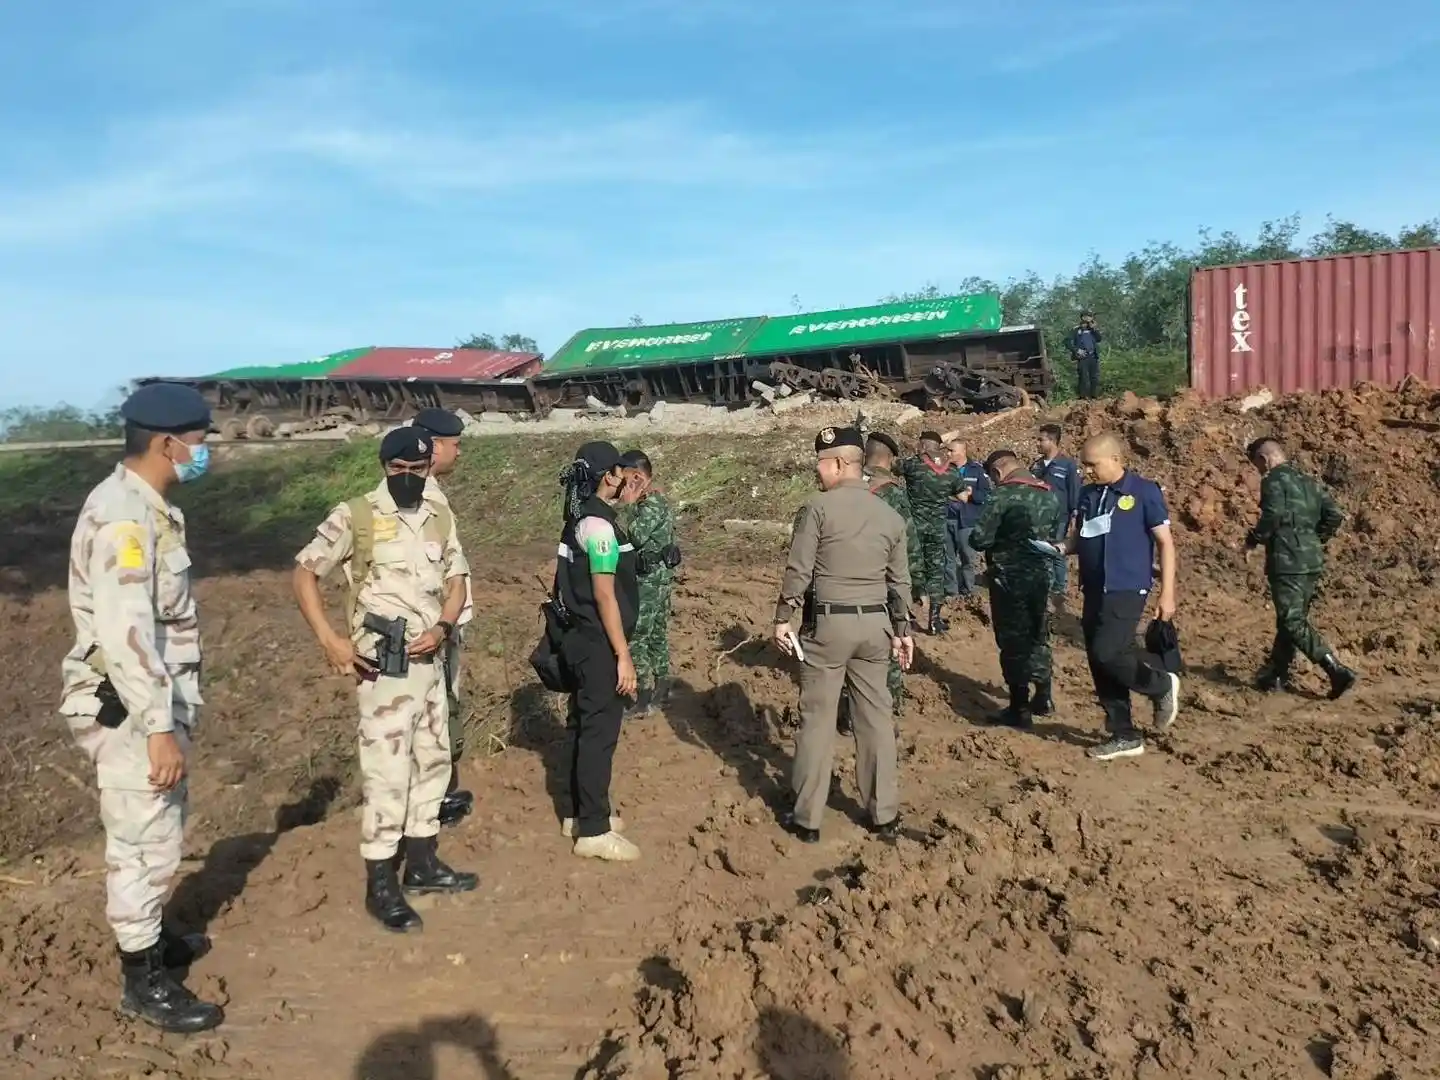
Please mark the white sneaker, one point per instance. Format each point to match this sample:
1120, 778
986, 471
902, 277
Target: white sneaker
567, 827
612, 847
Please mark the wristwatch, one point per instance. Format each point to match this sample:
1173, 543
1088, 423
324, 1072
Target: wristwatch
448, 627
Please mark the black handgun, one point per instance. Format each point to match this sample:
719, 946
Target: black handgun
112, 710
809, 617
390, 655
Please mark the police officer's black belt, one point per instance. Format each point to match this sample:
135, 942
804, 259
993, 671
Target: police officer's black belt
851, 609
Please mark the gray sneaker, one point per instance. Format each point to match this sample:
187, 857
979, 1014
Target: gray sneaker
1117, 746
1167, 705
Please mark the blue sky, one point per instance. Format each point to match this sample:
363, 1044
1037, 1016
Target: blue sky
186, 186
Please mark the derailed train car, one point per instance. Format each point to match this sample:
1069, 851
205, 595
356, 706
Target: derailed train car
948, 352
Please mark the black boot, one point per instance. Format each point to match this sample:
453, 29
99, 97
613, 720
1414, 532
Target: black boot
644, 698
182, 950
1341, 677
153, 995
1042, 702
425, 873
383, 899
456, 805
1269, 680
938, 623
1017, 713
661, 696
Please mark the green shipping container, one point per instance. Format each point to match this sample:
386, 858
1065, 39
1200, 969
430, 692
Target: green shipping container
307, 369
633, 346
852, 327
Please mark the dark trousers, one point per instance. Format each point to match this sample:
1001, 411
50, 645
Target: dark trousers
593, 728
1088, 374
1117, 663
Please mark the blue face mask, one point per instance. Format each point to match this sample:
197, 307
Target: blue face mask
196, 467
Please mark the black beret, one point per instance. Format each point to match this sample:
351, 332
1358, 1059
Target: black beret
406, 444
997, 457
885, 441
834, 438
930, 436
602, 457
440, 422
169, 407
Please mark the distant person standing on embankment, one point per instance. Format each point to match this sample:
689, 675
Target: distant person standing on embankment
1084, 345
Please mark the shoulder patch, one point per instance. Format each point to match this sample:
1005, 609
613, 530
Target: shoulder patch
129, 545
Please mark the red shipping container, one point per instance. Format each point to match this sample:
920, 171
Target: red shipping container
439, 365
1314, 324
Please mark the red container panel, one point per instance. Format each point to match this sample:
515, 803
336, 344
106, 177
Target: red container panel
448, 365
1314, 324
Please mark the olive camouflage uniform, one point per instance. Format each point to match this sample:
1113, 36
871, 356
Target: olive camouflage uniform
1021, 509
650, 524
1298, 518
930, 488
887, 488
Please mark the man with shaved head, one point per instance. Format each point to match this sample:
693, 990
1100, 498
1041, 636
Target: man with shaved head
1297, 519
1123, 522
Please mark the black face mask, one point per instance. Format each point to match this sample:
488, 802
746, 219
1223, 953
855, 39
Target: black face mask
407, 489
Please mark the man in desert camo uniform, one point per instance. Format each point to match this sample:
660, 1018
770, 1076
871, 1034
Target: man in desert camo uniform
445, 429
132, 689
416, 572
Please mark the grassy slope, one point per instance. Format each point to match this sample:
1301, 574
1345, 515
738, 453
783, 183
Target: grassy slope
259, 507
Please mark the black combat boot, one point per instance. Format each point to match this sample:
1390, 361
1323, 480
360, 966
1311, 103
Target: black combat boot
644, 698
182, 950
1042, 702
1341, 677
661, 697
938, 623
383, 899
1017, 713
155, 996
425, 873
455, 807
1268, 680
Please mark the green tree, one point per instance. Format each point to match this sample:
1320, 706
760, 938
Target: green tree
59, 423
507, 343
1140, 302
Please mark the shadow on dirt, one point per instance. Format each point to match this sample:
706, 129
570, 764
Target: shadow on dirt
409, 1053
208, 891
787, 1044
538, 726
793, 1047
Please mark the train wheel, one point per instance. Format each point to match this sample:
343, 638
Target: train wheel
259, 427
637, 396
232, 429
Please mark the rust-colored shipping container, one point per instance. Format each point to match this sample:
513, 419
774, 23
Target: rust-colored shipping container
1314, 324
439, 365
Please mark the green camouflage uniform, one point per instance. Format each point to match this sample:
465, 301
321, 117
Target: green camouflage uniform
886, 487
1021, 509
650, 524
1297, 519
929, 491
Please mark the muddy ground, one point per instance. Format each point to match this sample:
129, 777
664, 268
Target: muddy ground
1258, 896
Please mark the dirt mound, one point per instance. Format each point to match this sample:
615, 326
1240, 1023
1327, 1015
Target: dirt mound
1037, 944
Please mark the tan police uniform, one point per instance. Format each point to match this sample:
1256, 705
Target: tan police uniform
851, 548
404, 737
135, 623
453, 646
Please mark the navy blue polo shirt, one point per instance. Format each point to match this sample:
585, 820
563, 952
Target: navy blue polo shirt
1113, 529
1063, 476
978, 484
